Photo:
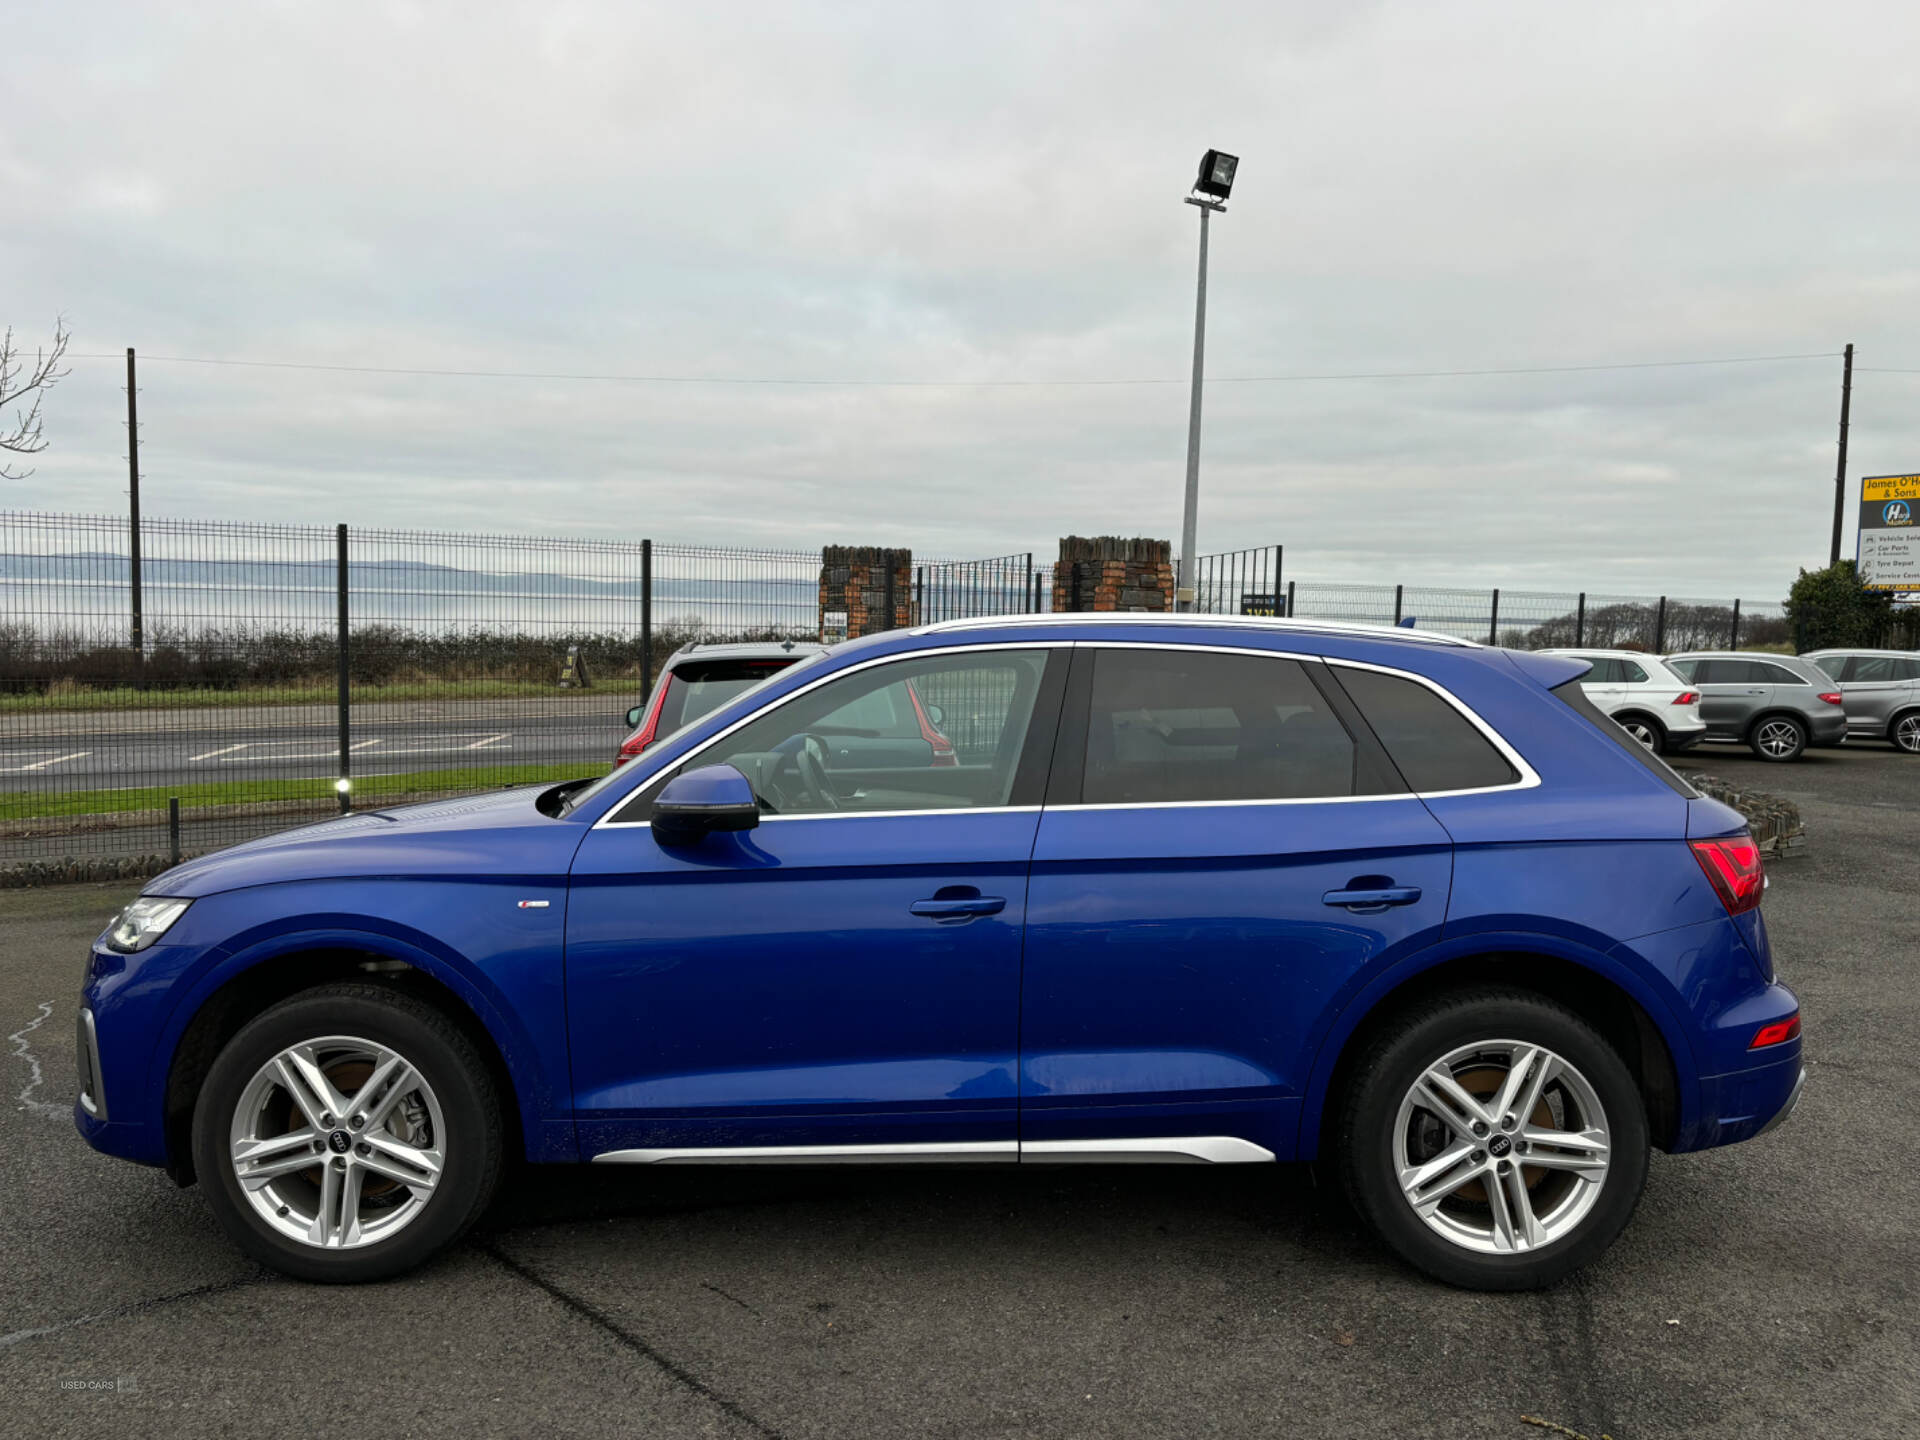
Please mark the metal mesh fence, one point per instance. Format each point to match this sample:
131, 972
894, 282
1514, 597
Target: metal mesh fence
225, 686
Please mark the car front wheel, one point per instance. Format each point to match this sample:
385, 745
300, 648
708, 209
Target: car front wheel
1778, 737
347, 1134
1494, 1140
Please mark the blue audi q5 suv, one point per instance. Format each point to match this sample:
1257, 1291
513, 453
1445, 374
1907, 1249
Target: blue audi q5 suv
1190, 890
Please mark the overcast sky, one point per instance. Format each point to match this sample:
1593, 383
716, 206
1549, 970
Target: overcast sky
979, 192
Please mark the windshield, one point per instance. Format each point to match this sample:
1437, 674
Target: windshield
736, 689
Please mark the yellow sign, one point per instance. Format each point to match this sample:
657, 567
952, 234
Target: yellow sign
1876, 488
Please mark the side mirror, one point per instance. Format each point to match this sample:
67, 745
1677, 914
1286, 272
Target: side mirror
935, 714
712, 799
634, 716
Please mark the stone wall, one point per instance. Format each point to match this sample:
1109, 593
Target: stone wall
1108, 573
853, 582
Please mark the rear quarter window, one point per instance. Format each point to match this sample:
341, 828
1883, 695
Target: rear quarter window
1434, 746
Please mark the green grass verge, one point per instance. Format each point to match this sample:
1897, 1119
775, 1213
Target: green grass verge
252, 792
129, 699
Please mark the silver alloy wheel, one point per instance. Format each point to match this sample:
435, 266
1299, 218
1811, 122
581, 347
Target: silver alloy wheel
1778, 738
1501, 1146
1641, 731
1906, 733
337, 1142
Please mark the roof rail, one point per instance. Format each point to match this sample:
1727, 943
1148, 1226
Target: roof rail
1226, 622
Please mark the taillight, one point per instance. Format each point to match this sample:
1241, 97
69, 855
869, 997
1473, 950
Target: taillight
1734, 868
1686, 697
644, 736
942, 747
1777, 1033
1832, 697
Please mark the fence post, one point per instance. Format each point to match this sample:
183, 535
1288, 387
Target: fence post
1398, 592
1733, 640
1580, 620
173, 829
1493, 624
1279, 555
1660, 628
344, 785
889, 594
1030, 584
133, 514
1289, 599
646, 621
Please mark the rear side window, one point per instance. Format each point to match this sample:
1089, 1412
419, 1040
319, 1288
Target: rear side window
1730, 672
1777, 674
1432, 743
1879, 669
1184, 725
697, 688
1684, 669
1605, 671
1631, 673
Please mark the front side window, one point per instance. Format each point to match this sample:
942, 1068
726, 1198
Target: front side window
1170, 726
1877, 669
857, 744
1435, 746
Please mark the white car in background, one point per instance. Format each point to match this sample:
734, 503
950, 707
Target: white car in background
1643, 696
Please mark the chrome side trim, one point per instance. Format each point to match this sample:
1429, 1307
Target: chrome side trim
92, 1099
607, 822
1178, 1149
1175, 1150
1220, 622
1793, 1099
1001, 1151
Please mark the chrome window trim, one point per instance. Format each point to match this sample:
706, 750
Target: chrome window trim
1528, 776
607, 822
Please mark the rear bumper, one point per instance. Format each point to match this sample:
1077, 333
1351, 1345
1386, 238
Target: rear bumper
1745, 1103
1828, 729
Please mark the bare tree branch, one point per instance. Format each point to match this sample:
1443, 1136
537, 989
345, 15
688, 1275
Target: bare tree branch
21, 386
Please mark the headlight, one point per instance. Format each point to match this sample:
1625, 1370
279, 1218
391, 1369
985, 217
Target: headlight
143, 922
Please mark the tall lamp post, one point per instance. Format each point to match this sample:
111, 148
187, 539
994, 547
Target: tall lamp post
1210, 192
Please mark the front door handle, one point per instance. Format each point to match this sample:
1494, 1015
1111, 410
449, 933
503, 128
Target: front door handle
1371, 902
944, 906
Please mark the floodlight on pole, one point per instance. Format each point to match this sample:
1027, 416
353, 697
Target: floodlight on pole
1210, 191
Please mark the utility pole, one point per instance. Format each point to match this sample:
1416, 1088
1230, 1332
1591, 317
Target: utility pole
1840, 471
133, 505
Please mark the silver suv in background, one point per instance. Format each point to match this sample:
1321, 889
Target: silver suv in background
1882, 693
1776, 704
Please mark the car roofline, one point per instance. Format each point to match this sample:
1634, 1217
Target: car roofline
1221, 622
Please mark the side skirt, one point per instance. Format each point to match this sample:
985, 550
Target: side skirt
1175, 1150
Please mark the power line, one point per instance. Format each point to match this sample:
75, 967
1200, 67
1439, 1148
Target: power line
970, 384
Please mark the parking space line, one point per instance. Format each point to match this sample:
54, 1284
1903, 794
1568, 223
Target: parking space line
42, 764
211, 753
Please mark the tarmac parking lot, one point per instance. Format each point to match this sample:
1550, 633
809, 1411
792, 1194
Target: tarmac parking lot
1765, 1290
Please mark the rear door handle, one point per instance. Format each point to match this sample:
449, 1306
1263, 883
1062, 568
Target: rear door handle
1366, 902
963, 907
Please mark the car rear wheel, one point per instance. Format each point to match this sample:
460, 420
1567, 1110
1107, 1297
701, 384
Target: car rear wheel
1778, 737
347, 1134
1905, 732
1647, 731
1493, 1140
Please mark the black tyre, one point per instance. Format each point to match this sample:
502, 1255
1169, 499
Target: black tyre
1904, 732
347, 1134
1645, 729
1777, 737
1481, 1194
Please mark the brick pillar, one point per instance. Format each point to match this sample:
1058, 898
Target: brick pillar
1108, 573
854, 583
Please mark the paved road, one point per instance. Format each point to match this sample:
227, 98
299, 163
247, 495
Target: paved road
1766, 1290
92, 750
